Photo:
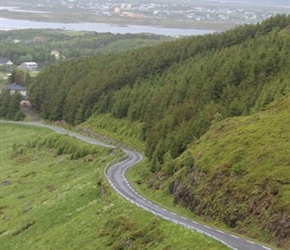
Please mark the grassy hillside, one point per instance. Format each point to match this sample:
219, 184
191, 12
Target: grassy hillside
123, 131
238, 173
53, 198
173, 94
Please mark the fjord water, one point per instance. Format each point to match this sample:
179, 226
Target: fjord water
13, 24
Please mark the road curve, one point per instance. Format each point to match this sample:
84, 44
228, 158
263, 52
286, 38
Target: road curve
117, 178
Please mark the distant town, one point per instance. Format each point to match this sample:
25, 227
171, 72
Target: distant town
165, 13
185, 10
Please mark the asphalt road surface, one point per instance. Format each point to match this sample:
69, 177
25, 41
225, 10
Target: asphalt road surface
115, 173
117, 178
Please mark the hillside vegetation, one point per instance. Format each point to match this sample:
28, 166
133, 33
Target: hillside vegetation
174, 93
54, 196
36, 45
238, 173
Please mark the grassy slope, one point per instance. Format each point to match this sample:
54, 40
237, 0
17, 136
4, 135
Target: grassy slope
53, 202
122, 130
241, 174
244, 175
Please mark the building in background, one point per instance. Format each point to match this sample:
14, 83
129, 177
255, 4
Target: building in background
5, 62
31, 66
14, 88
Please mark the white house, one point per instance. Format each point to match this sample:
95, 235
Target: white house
55, 53
32, 66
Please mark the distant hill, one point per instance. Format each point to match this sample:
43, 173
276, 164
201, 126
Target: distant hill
176, 91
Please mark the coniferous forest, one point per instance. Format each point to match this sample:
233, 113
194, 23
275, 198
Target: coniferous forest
177, 91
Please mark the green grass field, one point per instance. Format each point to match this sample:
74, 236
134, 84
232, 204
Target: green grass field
53, 198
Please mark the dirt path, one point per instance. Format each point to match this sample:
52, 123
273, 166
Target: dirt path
33, 116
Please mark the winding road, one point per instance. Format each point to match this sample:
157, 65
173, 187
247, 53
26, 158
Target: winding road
115, 173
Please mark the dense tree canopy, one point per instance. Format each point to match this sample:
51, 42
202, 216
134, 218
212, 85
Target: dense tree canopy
10, 106
176, 89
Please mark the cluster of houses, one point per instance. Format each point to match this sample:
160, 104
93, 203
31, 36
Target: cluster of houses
13, 88
30, 66
17, 88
